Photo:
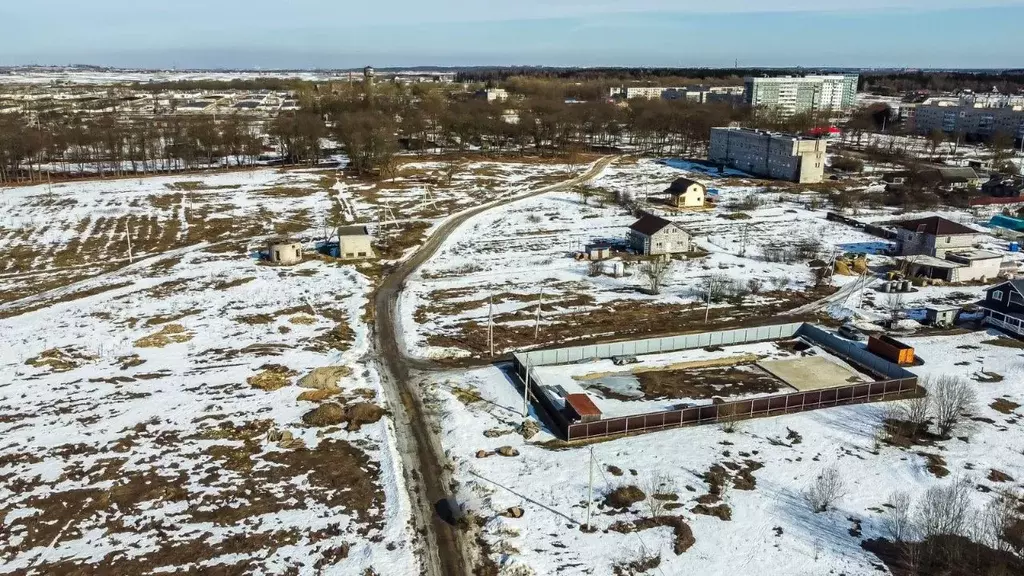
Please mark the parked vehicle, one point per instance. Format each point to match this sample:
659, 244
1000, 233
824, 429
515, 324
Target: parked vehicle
851, 332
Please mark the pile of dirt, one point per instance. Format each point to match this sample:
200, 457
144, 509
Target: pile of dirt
333, 413
999, 476
326, 414
317, 395
169, 334
722, 511
60, 359
272, 377
624, 496
362, 413
1003, 405
529, 429
325, 377
683, 535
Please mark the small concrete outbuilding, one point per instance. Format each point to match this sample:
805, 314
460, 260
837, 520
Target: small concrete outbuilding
286, 251
354, 242
941, 315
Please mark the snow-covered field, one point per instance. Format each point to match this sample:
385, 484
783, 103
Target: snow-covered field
135, 437
772, 530
522, 254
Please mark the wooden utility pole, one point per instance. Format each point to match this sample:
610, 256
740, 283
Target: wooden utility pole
707, 310
526, 391
128, 235
536, 326
590, 487
490, 323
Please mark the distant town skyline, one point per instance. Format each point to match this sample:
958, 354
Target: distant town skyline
682, 33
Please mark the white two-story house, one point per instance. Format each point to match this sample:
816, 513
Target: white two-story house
652, 235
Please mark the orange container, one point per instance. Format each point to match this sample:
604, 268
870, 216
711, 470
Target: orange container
891, 349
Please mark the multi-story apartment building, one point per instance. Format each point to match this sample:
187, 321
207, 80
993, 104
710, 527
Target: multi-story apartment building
790, 95
769, 154
973, 121
700, 94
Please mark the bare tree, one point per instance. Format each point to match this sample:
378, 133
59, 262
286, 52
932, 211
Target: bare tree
715, 286
754, 285
945, 510
951, 399
916, 412
660, 489
452, 167
826, 490
654, 271
894, 306
729, 417
780, 282
896, 518
595, 268
585, 192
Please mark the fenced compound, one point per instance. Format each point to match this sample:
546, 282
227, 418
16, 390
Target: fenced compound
895, 382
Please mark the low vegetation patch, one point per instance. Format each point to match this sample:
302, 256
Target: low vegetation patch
624, 496
271, 377
60, 359
169, 334
683, 535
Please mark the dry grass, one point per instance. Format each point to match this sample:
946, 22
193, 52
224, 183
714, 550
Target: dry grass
60, 359
271, 377
302, 319
169, 334
317, 395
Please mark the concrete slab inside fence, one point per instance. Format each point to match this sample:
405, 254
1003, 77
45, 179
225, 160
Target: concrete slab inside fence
812, 373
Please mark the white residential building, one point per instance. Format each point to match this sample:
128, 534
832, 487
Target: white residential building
769, 154
792, 95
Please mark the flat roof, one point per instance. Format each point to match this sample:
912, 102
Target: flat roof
582, 405
975, 254
932, 261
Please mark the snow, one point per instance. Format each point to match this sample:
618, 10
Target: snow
184, 390
549, 541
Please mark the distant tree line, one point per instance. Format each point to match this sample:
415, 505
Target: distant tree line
372, 124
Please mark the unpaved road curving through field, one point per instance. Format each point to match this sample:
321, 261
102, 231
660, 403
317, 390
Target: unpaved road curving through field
426, 468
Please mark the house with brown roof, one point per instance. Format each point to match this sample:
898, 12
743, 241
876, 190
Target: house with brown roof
653, 235
686, 193
933, 236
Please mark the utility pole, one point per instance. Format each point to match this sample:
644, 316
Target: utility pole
490, 323
128, 235
744, 235
707, 310
590, 487
536, 326
526, 391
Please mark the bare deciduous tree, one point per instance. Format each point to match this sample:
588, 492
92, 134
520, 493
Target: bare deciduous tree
897, 518
894, 306
826, 490
595, 268
654, 272
945, 510
660, 488
755, 285
916, 411
951, 398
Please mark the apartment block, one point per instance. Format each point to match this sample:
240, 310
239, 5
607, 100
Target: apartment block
971, 120
769, 154
793, 95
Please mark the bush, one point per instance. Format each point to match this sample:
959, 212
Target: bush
847, 164
624, 497
826, 490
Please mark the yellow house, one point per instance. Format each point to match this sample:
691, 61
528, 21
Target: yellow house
687, 193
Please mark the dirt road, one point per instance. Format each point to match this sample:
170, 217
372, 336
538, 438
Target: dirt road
427, 471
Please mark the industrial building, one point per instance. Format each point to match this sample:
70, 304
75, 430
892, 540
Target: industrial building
790, 95
769, 154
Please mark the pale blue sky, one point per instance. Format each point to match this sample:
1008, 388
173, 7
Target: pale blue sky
326, 33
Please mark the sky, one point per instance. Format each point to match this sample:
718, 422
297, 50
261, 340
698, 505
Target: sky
672, 33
